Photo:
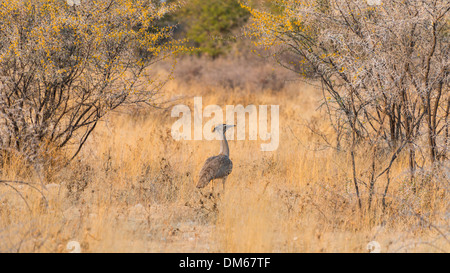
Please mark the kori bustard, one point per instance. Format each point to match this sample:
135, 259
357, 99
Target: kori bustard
218, 166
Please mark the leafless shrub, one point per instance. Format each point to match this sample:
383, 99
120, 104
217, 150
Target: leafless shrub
78, 180
159, 184
384, 72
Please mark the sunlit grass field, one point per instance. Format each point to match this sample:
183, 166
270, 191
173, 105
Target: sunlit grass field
132, 188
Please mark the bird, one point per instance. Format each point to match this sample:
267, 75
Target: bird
219, 166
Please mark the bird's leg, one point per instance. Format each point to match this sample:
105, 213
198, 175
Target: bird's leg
223, 187
223, 184
212, 186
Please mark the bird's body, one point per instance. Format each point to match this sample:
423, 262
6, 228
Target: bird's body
219, 166
215, 167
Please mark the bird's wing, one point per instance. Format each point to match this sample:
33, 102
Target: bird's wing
215, 167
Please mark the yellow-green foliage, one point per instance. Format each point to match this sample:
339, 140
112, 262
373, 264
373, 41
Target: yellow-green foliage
43, 26
210, 25
63, 67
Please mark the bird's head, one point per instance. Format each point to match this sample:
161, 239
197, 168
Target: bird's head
222, 128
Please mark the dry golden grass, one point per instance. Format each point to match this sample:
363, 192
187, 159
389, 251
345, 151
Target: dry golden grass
132, 189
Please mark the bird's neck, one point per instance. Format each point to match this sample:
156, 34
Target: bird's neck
224, 150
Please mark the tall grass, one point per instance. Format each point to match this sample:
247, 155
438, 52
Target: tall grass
132, 189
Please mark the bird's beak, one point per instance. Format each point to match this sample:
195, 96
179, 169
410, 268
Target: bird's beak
228, 127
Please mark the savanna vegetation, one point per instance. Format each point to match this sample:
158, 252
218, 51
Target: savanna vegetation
87, 155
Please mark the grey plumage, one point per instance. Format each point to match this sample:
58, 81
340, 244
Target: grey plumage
219, 166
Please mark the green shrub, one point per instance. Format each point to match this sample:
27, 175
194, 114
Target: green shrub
209, 25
